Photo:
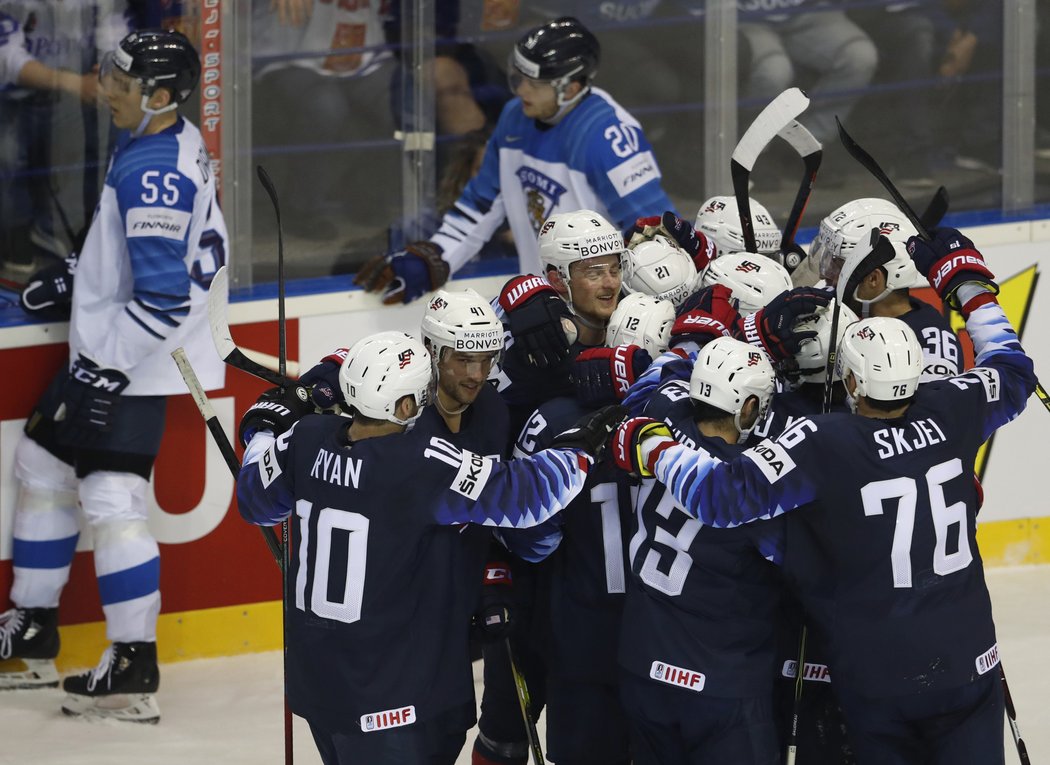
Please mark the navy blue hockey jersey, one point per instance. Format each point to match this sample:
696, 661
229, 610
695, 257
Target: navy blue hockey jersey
898, 583
941, 353
376, 607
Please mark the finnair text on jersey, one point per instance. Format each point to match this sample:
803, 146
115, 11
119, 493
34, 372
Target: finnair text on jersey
336, 469
915, 435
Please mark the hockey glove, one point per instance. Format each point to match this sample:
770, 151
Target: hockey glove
323, 380
276, 410
591, 432
949, 260
627, 444
773, 328
700, 248
707, 314
602, 376
404, 276
49, 293
495, 615
537, 318
90, 402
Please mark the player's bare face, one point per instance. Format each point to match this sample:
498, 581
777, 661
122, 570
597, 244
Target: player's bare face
595, 285
539, 100
461, 377
123, 95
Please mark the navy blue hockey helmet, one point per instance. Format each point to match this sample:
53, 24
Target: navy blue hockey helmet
158, 58
563, 48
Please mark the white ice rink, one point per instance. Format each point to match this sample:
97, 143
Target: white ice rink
230, 710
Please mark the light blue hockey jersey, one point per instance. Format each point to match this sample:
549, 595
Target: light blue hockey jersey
595, 158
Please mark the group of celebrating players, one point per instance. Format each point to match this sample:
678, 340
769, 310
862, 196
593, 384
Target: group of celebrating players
700, 485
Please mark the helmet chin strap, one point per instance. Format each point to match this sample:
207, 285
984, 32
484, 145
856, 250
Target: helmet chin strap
565, 105
149, 113
865, 305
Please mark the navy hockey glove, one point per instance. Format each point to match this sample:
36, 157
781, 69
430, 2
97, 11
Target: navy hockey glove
591, 432
276, 410
49, 293
404, 276
627, 444
538, 319
602, 376
773, 328
90, 401
700, 248
706, 315
949, 260
495, 615
323, 380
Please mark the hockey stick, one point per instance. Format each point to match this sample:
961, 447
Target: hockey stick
936, 209
286, 526
220, 334
811, 151
796, 703
778, 114
526, 707
865, 159
200, 398
1011, 715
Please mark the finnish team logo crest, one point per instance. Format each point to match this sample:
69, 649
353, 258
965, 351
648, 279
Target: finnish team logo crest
541, 194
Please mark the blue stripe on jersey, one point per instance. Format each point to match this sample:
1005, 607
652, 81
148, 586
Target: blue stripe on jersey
163, 314
141, 323
49, 553
131, 583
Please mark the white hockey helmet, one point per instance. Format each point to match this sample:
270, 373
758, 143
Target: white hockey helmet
567, 238
719, 220
812, 356
727, 373
642, 320
844, 230
754, 279
462, 321
884, 356
877, 251
381, 369
660, 268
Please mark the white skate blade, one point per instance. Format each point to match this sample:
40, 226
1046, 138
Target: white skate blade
123, 707
22, 674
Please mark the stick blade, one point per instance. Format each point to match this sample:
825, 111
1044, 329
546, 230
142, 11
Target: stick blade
778, 113
218, 303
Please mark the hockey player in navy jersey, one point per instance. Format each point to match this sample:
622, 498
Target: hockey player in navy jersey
875, 282
696, 646
895, 584
560, 145
156, 240
376, 576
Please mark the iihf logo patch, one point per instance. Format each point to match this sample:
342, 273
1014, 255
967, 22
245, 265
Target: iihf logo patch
541, 194
747, 267
404, 358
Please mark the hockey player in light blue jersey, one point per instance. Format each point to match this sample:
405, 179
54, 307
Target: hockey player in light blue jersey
561, 145
157, 238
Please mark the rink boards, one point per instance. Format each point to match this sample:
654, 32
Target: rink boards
220, 587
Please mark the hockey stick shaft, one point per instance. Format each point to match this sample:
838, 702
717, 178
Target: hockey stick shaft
282, 366
1011, 715
810, 150
796, 703
859, 154
525, 702
211, 419
778, 114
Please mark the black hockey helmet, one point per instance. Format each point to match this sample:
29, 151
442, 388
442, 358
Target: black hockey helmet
159, 58
563, 48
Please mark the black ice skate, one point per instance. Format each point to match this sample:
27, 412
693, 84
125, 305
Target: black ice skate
121, 687
28, 647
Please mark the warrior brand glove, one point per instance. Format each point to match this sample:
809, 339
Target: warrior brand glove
276, 410
602, 376
323, 380
696, 245
404, 276
535, 314
494, 616
49, 293
705, 315
627, 444
773, 327
90, 402
591, 432
949, 261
